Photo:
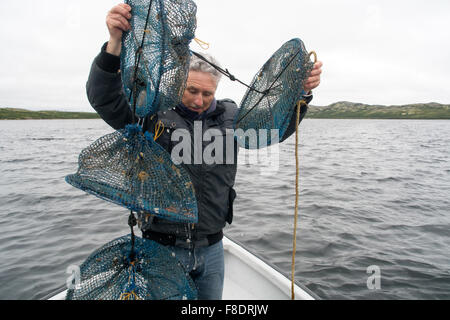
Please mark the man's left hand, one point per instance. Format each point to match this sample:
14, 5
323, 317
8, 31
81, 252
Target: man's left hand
314, 79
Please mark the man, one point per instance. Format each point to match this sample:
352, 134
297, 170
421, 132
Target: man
198, 247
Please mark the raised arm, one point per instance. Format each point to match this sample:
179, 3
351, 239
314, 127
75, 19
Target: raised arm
104, 86
117, 22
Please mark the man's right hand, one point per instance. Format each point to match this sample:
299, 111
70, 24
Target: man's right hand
117, 22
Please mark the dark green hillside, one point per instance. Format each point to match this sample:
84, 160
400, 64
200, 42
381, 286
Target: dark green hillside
350, 110
22, 114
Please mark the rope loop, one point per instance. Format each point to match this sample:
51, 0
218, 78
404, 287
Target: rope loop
159, 129
313, 53
204, 45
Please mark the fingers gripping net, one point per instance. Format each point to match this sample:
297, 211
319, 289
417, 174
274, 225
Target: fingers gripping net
118, 272
155, 53
130, 169
275, 90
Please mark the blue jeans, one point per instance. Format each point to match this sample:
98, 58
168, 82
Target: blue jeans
206, 267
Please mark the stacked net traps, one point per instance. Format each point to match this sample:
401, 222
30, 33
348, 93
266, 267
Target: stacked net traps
127, 167
270, 101
155, 56
122, 270
130, 169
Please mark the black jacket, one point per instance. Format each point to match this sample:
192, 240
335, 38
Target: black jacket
213, 183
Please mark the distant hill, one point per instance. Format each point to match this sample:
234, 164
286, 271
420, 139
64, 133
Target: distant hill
23, 114
338, 110
350, 110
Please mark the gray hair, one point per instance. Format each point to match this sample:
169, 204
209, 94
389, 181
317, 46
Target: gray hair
199, 65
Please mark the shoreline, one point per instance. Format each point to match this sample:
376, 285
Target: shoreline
23, 114
339, 110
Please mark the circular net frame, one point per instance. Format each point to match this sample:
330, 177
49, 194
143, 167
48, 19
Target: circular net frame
152, 273
279, 86
155, 53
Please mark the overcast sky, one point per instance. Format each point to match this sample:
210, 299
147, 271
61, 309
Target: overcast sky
376, 52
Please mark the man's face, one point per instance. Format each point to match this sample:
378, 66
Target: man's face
200, 90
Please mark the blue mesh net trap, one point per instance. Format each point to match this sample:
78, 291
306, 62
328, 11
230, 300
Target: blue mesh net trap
274, 92
127, 269
130, 169
155, 55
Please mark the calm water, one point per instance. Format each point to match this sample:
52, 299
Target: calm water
373, 193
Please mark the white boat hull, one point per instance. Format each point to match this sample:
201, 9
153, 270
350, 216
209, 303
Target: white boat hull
249, 278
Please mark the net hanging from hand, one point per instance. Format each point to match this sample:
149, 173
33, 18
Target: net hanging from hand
130, 169
270, 101
155, 53
123, 270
